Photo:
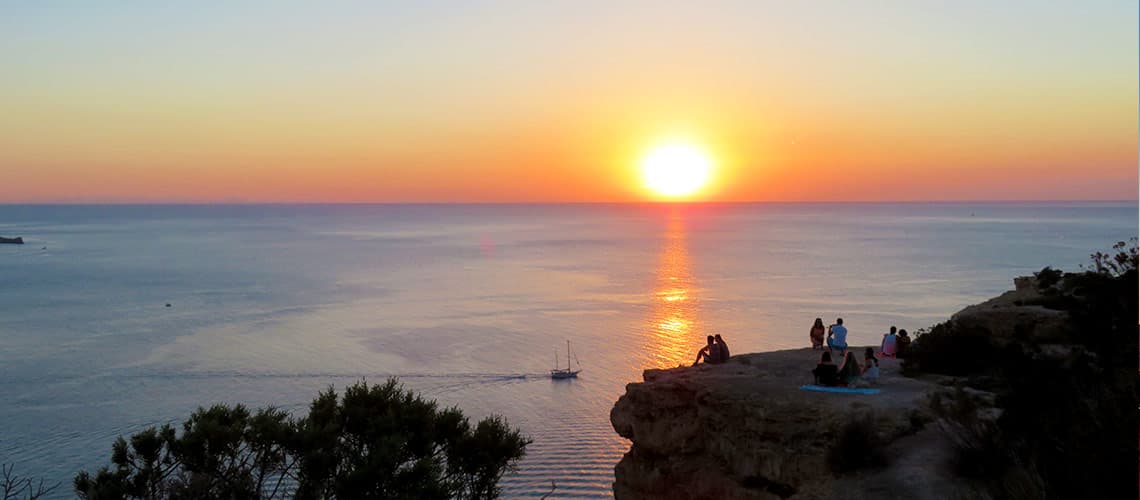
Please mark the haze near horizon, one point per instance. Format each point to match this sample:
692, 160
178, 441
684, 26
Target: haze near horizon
568, 102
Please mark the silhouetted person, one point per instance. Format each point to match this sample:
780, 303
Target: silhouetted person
850, 371
826, 373
903, 343
889, 347
817, 333
709, 353
722, 347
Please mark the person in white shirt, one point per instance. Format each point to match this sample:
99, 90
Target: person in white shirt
837, 336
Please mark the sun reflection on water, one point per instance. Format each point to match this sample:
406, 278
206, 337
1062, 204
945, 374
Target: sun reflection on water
672, 334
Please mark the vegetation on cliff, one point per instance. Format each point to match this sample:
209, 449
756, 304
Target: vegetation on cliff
377, 441
858, 444
1063, 423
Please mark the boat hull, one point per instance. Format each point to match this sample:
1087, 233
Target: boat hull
563, 374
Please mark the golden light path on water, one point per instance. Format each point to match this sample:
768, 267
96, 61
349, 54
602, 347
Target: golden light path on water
674, 312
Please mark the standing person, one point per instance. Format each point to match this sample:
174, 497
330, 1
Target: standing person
722, 347
837, 336
850, 371
816, 334
890, 343
870, 366
710, 353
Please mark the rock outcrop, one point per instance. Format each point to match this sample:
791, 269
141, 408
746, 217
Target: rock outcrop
1014, 315
744, 429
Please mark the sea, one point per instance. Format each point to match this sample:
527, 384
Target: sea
466, 304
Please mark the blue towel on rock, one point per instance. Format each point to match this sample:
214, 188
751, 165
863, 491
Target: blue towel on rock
841, 390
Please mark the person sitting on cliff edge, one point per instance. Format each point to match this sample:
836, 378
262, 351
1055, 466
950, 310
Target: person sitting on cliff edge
816, 334
903, 343
889, 346
870, 366
710, 353
837, 337
723, 347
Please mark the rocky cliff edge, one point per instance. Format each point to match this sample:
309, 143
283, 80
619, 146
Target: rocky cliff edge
744, 429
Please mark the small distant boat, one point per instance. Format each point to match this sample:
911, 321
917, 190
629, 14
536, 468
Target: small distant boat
19, 240
558, 373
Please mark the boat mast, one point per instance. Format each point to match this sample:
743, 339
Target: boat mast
567, 355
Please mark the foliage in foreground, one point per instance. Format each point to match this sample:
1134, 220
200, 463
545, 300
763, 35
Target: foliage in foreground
1067, 417
378, 441
1121, 259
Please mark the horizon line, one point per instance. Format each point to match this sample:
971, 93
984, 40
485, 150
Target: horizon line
490, 203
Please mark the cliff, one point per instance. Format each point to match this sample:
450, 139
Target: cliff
1017, 316
744, 430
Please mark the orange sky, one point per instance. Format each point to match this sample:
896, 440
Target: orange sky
814, 102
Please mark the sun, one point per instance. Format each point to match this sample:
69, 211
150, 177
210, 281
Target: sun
675, 169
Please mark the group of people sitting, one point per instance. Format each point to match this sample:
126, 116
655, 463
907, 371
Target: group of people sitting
894, 343
848, 374
851, 372
715, 352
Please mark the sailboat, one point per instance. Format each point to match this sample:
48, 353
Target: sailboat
558, 373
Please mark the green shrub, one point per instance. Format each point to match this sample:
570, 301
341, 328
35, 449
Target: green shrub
1067, 422
949, 349
1103, 313
378, 441
1073, 423
1048, 277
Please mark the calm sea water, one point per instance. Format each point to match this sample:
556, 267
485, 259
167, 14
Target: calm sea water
467, 303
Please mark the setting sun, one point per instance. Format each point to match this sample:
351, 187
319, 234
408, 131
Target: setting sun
676, 169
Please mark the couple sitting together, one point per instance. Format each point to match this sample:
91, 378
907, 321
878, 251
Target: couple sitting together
836, 335
850, 373
895, 343
715, 352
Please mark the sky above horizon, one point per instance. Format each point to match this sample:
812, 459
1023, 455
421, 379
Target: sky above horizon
522, 101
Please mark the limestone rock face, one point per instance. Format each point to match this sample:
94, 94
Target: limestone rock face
1008, 317
744, 429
